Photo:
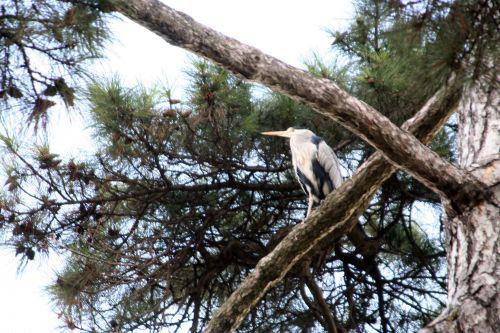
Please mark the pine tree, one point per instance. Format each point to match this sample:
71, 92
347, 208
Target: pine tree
184, 198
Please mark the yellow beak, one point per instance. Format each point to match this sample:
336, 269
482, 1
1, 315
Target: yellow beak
284, 134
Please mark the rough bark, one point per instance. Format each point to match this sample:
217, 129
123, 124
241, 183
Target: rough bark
398, 146
473, 238
335, 217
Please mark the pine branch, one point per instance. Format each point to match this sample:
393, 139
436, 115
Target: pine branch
402, 149
325, 310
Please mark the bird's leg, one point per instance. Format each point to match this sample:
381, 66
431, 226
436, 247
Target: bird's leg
310, 205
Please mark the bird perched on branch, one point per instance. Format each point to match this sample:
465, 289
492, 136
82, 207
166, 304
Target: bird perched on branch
314, 162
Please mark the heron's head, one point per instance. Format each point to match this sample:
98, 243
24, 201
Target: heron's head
288, 133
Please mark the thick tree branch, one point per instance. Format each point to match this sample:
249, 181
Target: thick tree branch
336, 216
400, 147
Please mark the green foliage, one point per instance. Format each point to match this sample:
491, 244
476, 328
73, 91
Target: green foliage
44, 48
334, 71
404, 52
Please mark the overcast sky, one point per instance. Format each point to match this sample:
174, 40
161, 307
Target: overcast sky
289, 30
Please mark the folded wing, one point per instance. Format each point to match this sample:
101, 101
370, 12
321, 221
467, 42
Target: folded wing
328, 161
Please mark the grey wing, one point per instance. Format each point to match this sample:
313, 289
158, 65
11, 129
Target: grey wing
302, 181
329, 161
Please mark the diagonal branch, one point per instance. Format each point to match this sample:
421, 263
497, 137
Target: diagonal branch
325, 310
398, 146
336, 216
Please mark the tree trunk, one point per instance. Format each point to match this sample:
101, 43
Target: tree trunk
473, 237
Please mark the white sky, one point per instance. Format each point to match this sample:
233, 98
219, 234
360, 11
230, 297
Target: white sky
288, 30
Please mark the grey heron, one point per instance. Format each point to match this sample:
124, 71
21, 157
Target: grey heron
315, 164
